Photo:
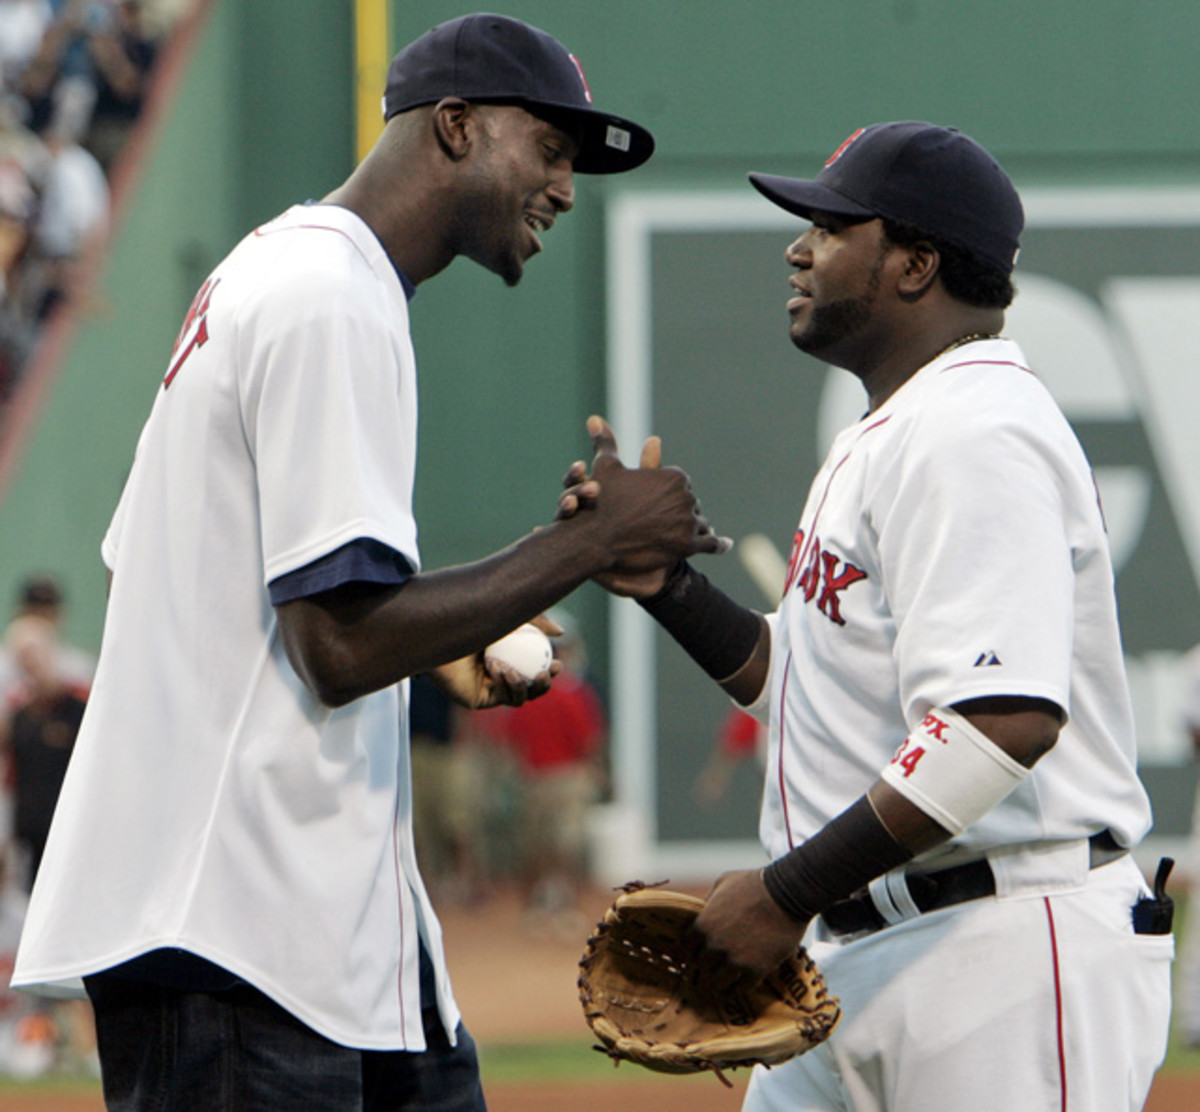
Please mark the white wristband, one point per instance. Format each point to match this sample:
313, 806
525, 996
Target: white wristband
952, 771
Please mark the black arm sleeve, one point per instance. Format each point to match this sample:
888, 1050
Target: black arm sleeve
717, 633
837, 861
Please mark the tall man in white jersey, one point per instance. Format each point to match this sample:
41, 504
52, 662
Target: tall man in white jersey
951, 790
231, 869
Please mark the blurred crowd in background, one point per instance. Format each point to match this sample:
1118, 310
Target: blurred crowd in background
74, 77
501, 797
44, 685
74, 80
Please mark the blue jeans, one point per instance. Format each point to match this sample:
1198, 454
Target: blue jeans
167, 1050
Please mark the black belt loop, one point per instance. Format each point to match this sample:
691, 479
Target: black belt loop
945, 888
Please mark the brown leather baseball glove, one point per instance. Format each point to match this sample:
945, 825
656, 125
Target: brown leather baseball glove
643, 1002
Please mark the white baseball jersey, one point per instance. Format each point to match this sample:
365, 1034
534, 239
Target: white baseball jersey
952, 547
212, 803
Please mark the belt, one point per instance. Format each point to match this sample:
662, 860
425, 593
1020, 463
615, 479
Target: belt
944, 888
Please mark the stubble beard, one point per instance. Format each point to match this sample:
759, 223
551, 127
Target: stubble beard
832, 324
487, 234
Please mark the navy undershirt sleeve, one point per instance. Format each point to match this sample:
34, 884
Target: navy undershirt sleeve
364, 560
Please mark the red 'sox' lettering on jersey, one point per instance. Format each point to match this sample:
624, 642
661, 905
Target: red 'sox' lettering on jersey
195, 329
812, 568
794, 560
810, 577
834, 583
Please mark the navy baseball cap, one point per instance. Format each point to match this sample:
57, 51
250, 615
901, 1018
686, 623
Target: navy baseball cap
933, 178
497, 59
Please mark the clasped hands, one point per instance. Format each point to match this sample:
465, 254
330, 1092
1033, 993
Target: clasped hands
670, 523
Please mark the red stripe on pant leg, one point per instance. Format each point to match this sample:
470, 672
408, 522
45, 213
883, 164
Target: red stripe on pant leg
1058, 1005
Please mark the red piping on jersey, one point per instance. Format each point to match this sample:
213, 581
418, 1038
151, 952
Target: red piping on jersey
783, 800
809, 540
986, 363
1058, 1005
400, 910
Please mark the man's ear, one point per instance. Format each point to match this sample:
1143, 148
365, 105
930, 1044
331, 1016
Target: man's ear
451, 120
921, 266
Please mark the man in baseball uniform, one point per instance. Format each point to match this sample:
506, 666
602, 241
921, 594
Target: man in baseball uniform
951, 790
231, 870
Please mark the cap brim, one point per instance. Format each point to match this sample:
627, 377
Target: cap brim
607, 144
806, 197
612, 145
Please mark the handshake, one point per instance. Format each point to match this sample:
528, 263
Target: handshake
647, 518
628, 529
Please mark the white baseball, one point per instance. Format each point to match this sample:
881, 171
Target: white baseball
526, 650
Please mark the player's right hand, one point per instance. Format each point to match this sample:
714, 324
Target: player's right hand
742, 934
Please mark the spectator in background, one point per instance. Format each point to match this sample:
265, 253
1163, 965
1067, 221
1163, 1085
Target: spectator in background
62, 75
92, 67
558, 743
124, 61
76, 74
1188, 986
71, 218
63, 71
38, 736
740, 735
430, 722
22, 25
41, 596
23, 158
28, 1034
36, 740
448, 793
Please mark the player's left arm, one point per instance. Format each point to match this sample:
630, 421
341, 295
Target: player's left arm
754, 918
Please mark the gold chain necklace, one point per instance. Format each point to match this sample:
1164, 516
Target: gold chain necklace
969, 338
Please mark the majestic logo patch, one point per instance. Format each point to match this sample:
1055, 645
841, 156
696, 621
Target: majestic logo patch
821, 575
987, 659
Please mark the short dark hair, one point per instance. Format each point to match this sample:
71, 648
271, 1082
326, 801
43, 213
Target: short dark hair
966, 276
40, 590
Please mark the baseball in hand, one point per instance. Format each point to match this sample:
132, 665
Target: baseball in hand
526, 650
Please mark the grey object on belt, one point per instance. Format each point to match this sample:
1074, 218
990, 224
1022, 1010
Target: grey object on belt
945, 888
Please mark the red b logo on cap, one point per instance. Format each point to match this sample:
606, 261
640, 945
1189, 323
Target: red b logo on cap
842, 149
587, 92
